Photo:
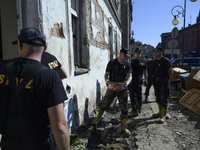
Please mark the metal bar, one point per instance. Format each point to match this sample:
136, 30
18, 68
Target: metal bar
183, 53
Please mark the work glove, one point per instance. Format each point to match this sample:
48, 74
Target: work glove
125, 84
145, 83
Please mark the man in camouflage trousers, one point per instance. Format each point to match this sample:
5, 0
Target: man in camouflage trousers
117, 77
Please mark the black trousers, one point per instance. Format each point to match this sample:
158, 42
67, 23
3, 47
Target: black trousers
135, 90
150, 81
162, 87
12, 143
19, 136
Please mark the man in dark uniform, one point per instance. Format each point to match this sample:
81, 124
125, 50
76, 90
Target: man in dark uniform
162, 73
32, 98
138, 67
51, 62
117, 77
150, 76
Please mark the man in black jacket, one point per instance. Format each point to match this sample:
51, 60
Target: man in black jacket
52, 62
28, 115
150, 76
162, 73
138, 68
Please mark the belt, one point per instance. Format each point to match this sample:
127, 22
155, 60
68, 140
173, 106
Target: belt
160, 78
139, 76
151, 75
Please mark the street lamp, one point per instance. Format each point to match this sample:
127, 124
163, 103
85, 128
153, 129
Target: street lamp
176, 22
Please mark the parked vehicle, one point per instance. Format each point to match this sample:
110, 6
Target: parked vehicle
175, 62
192, 63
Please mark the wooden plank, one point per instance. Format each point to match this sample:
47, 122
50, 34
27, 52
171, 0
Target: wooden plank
176, 72
191, 100
196, 80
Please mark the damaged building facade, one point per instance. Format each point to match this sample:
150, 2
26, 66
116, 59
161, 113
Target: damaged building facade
83, 34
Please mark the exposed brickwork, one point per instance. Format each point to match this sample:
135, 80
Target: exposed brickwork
119, 11
57, 30
118, 43
98, 22
99, 41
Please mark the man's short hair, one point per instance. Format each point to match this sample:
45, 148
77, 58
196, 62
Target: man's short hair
159, 49
125, 51
31, 36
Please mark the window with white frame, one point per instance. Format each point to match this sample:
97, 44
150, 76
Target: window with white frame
74, 4
81, 62
75, 30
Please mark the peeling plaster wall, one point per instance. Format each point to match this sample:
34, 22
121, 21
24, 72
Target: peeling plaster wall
97, 32
56, 30
54, 19
90, 87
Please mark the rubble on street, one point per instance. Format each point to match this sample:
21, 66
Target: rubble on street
180, 131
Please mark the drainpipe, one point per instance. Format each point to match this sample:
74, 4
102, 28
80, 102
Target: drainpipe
19, 15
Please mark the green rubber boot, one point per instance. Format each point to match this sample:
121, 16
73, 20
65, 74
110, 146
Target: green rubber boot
123, 126
98, 118
162, 117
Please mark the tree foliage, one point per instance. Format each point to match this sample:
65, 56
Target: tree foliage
139, 43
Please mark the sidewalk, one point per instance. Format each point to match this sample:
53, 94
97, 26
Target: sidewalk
146, 133
150, 134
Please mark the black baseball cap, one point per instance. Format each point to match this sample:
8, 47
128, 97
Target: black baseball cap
31, 36
159, 49
138, 50
125, 51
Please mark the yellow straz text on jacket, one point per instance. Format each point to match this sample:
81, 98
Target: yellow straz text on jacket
2, 78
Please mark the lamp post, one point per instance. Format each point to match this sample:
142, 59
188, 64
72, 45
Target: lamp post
176, 22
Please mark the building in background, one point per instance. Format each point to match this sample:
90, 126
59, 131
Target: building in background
146, 48
191, 40
163, 39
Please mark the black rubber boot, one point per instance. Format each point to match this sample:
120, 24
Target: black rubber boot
146, 99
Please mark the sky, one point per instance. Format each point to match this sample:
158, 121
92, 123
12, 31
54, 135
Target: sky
151, 18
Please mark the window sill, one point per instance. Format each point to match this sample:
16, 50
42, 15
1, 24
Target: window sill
80, 71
